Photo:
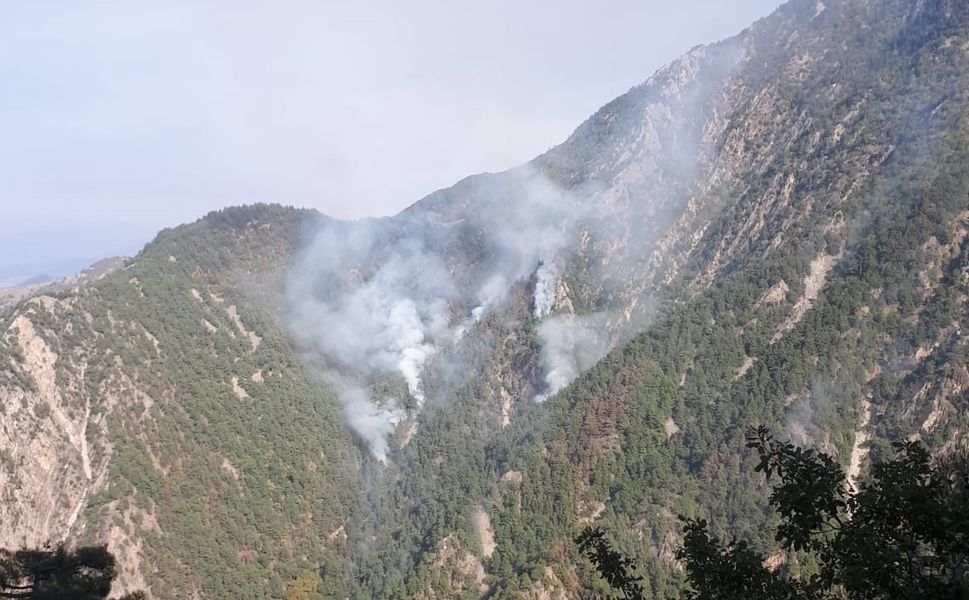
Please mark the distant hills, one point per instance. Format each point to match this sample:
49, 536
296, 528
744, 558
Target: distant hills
10, 295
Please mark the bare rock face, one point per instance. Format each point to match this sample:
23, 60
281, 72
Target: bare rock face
46, 441
53, 436
55, 439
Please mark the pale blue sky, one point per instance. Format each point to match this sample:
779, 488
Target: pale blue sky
118, 118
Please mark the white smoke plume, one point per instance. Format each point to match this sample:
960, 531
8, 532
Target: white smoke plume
490, 294
376, 300
570, 345
546, 281
385, 299
373, 423
368, 313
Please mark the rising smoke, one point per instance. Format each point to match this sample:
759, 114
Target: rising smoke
380, 299
546, 282
570, 344
374, 300
368, 313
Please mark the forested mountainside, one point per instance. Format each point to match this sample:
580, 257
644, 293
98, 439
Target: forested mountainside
770, 230
162, 410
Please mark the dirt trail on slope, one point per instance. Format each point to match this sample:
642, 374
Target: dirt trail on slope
859, 450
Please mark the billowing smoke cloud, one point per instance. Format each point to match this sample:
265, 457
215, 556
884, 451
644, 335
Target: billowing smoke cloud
371, 422
375, 301
570, 344
369, 311
528, 222
379, 302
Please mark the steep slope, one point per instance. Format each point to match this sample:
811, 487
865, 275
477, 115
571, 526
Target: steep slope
771, 229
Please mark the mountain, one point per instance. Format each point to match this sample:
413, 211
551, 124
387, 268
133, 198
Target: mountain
770, 230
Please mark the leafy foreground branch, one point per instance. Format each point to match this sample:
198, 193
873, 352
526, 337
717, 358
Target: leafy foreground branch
616, 569
903, 535
58, 574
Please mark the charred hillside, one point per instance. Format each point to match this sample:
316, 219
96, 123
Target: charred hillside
770, 230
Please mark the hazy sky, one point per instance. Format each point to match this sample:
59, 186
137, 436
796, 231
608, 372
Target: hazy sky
118, 118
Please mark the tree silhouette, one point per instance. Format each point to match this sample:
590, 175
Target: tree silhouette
615, 568
902, 535
58, 573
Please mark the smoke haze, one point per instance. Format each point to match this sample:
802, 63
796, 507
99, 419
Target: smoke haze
374, 300
570, 345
